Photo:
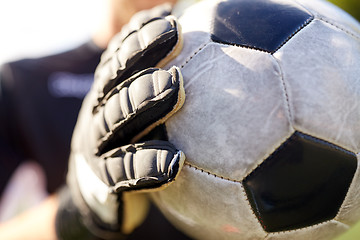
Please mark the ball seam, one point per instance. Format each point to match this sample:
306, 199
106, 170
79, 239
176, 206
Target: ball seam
339, 27
210, 173
194, 54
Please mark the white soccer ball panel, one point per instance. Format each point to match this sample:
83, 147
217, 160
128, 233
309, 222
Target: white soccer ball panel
231, 93
327, 230
242, 104
323, 83
322, 9
196, 33
207, 207
349, 212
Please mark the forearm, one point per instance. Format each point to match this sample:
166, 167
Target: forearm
56, 218
35, 224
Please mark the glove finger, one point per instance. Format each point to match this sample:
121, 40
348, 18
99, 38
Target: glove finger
153, 44
136, 22
144, 166
136, 106
147, 166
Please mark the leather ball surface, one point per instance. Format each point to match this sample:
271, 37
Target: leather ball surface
270, 126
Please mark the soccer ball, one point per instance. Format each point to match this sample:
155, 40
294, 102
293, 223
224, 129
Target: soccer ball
271, 122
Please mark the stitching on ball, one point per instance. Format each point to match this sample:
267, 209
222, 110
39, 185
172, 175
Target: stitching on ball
231, 180
339, 27
210, 173
243, 46
261, 161
301, 229
259, 219
284, 88
194, 54
307, 22
319, 17
343, 205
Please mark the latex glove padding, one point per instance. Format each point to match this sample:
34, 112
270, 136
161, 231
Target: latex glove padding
108, 168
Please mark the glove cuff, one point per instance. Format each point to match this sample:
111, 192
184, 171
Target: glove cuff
68, 221
88, 218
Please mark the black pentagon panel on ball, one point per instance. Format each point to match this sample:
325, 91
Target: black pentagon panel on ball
304, 182
259, 24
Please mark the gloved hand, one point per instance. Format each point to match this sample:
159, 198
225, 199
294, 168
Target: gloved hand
109, 168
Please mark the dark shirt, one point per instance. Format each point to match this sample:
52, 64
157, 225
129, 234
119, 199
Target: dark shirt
39, 102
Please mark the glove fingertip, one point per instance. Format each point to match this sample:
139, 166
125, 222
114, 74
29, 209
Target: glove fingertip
176, 165
175, 51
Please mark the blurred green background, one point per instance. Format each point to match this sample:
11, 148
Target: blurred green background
352, 234
352, 7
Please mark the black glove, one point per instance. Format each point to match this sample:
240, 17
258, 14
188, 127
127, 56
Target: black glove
109, 169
